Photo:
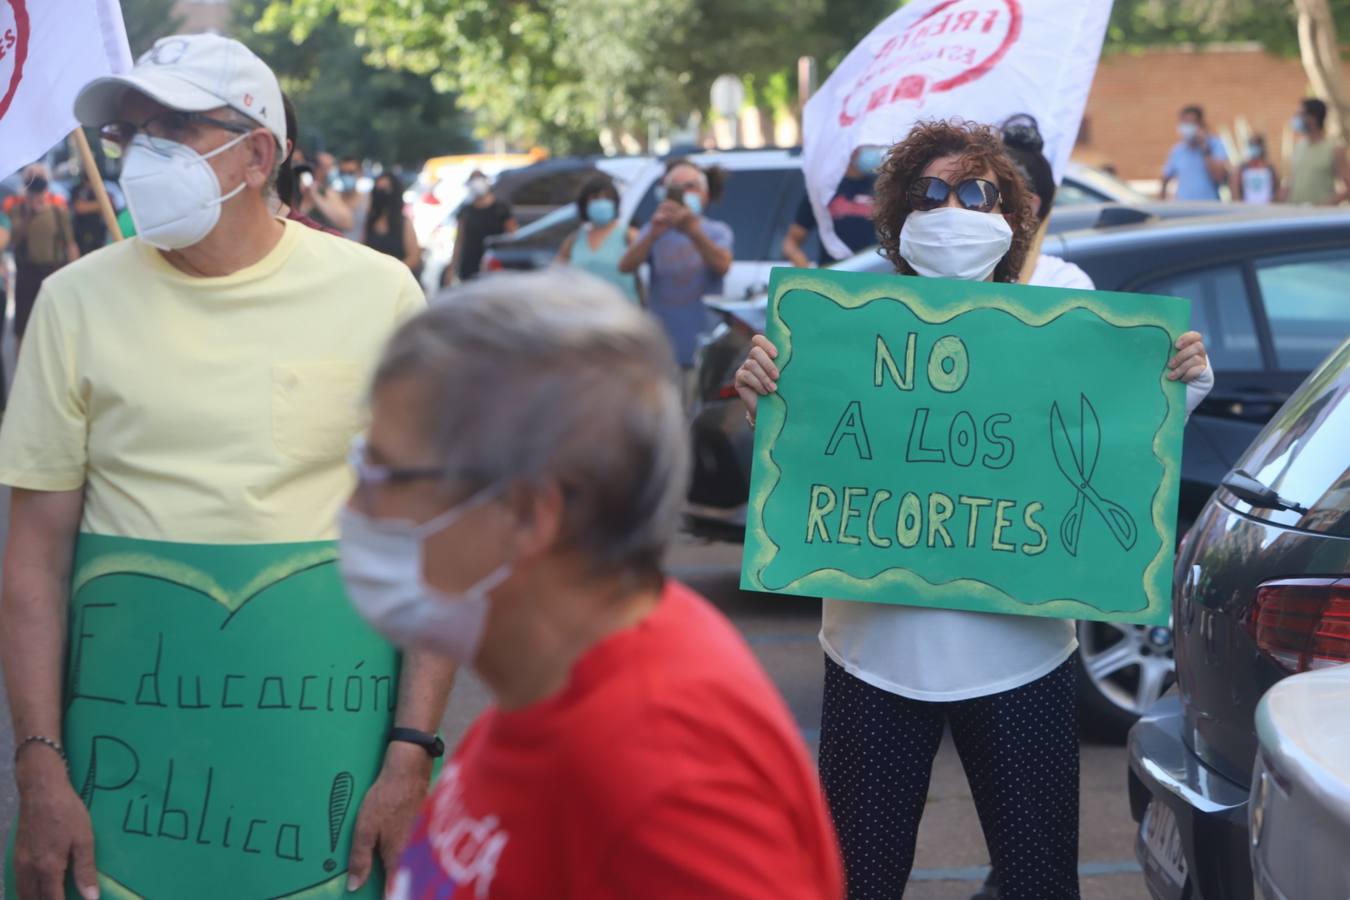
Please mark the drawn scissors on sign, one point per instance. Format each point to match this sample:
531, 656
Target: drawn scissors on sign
1078, 467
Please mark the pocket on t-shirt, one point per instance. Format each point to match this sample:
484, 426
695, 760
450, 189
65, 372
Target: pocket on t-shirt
316, 408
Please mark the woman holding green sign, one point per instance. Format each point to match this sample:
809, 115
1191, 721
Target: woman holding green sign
951, 204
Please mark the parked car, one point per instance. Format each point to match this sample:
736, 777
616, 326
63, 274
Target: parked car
1268, 291
532, 247
1300, 799
537, 190
1259, 594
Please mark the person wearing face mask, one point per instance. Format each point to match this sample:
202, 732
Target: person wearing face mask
182, 410
43, 241
1257, 181
598, 245
388, 228
1198, 163
294, 174
950, 204
1318, 162
689, 254
850, 210
320, 201
482, 217
521, 481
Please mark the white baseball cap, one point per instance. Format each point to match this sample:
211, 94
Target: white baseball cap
192, 73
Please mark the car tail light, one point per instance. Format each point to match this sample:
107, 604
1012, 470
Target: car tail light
1303, 623
491, 263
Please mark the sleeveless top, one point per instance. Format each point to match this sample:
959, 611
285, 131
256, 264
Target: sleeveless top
604, 262
1314, 172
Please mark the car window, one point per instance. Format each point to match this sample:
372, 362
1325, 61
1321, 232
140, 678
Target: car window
751, 203
1307, 299
553, 189
1221, 311
1072, 193
545, 233
1301, 453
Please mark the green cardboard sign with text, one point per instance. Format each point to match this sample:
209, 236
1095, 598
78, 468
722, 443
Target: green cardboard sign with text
226, 710
988, 447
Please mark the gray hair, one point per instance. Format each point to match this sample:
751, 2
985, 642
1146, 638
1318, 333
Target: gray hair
555, 376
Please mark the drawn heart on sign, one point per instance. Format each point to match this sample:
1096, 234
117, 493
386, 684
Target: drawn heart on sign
13, 49
226, 710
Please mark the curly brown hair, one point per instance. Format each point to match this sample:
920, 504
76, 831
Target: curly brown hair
981, 150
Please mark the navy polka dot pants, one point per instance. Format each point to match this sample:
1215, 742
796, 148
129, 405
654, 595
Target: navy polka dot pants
1020, 752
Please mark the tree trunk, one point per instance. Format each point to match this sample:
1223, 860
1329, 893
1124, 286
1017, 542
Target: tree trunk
1322, 61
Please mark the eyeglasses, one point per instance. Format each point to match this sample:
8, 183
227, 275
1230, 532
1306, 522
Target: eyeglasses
163, 130
370, 475
975, 194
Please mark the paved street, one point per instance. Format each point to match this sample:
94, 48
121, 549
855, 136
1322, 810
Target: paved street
782, 632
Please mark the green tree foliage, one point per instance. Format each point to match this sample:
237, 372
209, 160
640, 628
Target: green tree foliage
349, 107
147, 21
1272, 23
556, 72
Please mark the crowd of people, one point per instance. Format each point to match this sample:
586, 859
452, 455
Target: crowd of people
1199, 167
506, 507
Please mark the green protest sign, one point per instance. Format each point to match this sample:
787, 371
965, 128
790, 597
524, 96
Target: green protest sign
226, 710
987, 447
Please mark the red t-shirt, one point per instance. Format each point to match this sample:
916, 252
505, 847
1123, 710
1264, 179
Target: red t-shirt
668, 768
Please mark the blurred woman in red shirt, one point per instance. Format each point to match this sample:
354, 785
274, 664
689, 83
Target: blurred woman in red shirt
525, 470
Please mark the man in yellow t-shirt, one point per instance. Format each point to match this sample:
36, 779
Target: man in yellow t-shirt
177, 441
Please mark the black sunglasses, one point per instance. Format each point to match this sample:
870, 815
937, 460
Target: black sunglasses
974, 193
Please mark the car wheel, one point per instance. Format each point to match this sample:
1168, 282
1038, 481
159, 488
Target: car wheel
1124, 669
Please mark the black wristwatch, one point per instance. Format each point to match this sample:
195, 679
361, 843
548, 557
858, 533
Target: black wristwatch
431, 743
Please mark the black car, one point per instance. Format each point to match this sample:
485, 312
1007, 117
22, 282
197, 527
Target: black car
1260, 592
1270, 291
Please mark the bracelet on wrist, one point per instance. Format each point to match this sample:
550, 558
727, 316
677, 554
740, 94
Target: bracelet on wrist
44, 741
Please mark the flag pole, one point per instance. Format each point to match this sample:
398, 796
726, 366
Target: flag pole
91, 172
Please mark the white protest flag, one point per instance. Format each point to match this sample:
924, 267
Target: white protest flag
49, 49
981, 60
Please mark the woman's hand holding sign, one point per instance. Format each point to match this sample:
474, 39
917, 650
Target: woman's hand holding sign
1191, 360
757, 376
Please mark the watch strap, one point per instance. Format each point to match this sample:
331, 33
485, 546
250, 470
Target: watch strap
431, 743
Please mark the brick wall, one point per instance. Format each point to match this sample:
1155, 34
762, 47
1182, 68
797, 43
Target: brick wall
1132, 111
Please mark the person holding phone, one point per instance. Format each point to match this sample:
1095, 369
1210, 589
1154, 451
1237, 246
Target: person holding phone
689, 255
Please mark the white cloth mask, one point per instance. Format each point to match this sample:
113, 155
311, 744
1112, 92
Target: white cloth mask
172, 191
950, 242
381, 563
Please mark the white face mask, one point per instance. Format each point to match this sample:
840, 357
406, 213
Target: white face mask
381, 563
478, 187
949, 242
173, 193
